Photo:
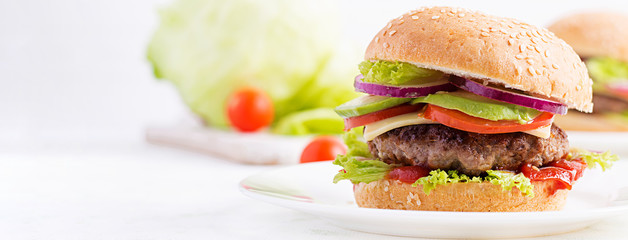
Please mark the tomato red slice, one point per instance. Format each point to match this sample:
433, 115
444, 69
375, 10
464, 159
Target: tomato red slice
357, 121
459, 120
408, 174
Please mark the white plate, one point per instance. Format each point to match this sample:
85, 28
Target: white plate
309, 188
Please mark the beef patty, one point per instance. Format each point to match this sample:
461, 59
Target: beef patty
437, 146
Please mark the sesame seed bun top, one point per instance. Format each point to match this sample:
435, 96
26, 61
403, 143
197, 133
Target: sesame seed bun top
595, 34
493, 49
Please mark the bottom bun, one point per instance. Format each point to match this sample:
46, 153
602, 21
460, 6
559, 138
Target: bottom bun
575, 121
458, 197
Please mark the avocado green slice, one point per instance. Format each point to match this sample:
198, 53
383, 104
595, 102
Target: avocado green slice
368, 104
479, 106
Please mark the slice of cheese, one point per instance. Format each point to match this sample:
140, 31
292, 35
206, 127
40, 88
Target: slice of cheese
543, 132
375, 129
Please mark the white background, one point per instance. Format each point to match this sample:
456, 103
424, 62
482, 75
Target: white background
76, 94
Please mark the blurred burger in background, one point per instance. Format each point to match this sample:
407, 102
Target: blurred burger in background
601, 40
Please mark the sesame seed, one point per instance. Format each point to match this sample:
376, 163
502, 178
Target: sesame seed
531, 70
451, 14
401, 21
530, 47
529, 34
510, 42
530, 61
519, 36
503, 31
547, 53
461, 15
513, 35
536, 33
389, 25
443, 10
484, 30
435, 17
376, 39
454, 11
392, 32
413, 17
519, 56
517, 71
538, 72
493, 30
533, 40
554, 66
484, 34
578, 87
386, 45
522, 47
536, 48
471, 19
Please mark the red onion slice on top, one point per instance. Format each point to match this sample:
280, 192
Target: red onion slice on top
509, 97
403, 91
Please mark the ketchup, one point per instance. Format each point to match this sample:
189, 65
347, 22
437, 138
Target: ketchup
408, 174
562, 172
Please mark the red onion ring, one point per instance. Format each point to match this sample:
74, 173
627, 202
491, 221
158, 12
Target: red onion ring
407, 91
509, 97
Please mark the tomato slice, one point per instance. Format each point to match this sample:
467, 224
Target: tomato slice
357, 121
562, 178
408, 174
459, 120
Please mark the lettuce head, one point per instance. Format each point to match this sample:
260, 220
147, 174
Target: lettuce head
288, 48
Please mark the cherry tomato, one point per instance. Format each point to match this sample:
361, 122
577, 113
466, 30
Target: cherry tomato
322, 148
250, 109
459, 120
357, 121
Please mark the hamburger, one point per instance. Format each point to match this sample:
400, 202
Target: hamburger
601, 40
458, 115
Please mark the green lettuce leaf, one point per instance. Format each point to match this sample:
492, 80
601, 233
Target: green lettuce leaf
358, 171
319, 120
506, 180
396, 73
607, 70
442, 177
355, 143
605, 160
289, 48
479, 106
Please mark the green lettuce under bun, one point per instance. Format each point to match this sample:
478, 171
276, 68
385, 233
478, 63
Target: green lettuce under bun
288, 48
396, 73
